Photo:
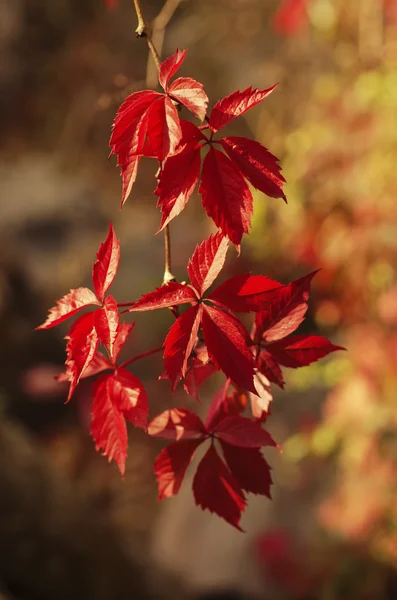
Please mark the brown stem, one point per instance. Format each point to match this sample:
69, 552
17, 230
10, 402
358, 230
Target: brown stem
142, 31
138, 356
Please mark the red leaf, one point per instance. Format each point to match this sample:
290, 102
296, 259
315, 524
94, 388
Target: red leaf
80, 349
130, 397
214, 411
107, 323
236, 104
286, 312
179, 344
207, 262
226, 341
107, 262
170, 66
257, 164
198, 373
261, 400
164, 129
225, 195
301, 350
249, 468
129, 172
241, 431
177, 181
98, 364
268, 366
123, 333
215, 489
171, 464
68, 306
246, 293
176, 424
191, 94
108, 426
169, 294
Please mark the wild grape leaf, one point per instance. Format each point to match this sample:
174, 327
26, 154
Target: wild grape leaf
246, 293
170, 66
257, 165
225, 195
190, 93
68, 306
123, 332
270, 369
301, 350
98, 364
207, 262
106, 322
199, 370
249, 468
169, 294
286, 311
128, 393
108, 426
171, 464
80, 349
241, 431
214, 410
260, 401
216, 490
176, 424
235, 105
106, 265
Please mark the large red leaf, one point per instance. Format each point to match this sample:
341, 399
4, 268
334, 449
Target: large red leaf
170, 66
241, 431
171, 464
257, 164
207, 262
107, 323
169, 294
80, 349
225, 195
236, 104
129, 395
301, 350
180, 342
105, 267
177, 181
176, 424
226, 341
246, 293
108, 426
191, 94
249, 468
286, 312
128, 117
68, 306
215, 489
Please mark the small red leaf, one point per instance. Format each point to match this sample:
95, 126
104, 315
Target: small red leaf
257, 164
215, 489
123, 333
286, 311
80, 349
246, 293
68, 306
169, 294
191, 94
207, 262
214, 411
198, 373
179, 344
176, 424
108, 426
261, 400
164, 129
130, 397
225, 195
301, 350
107, 323
170, 66
226, 341
171, 464
98, 364
268, 366
249, 468
236, 104
241, 431
107, 262
177, 181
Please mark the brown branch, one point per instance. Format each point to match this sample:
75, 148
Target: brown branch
142, 31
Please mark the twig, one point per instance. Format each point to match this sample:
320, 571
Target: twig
138, 356
142, 31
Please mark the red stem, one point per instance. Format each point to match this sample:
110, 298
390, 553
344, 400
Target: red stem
138, 356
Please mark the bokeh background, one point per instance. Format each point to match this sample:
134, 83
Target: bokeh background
69, 527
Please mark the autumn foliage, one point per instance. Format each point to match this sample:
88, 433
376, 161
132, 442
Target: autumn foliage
206, 335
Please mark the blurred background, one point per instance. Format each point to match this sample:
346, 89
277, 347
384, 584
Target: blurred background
69, 526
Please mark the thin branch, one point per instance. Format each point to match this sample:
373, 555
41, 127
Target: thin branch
142, 31
138, 356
